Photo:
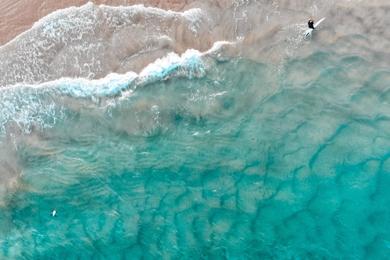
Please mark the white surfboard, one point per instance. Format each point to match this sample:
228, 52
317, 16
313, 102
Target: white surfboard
318, 23
309, 31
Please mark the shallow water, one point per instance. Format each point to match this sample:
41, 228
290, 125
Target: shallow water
243, 161
277, 148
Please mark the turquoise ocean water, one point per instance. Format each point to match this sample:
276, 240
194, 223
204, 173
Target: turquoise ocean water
239, 160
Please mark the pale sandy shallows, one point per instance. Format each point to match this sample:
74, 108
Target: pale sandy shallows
18, 16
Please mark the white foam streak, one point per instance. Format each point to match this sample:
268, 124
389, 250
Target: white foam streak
90, 41
37, 105
190, 64
53, 21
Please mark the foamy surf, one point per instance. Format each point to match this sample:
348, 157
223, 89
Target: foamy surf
97, 39
23, 103
93, 41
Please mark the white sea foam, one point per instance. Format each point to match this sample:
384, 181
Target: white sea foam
30, 105
188, 64
191, 64
218, 45
57, 22
194, 15
90, 41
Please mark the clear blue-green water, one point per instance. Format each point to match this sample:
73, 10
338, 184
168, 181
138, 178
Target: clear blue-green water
246, 161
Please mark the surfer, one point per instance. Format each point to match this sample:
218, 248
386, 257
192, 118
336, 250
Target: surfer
312, 26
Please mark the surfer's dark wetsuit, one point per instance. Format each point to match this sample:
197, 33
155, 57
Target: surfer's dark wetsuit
310, 23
